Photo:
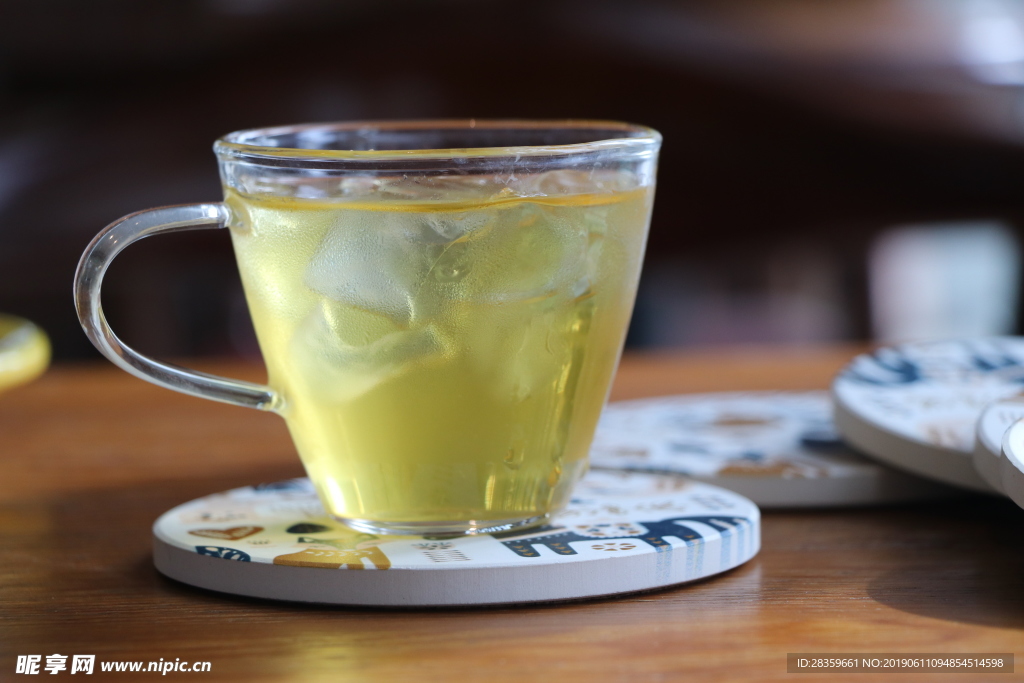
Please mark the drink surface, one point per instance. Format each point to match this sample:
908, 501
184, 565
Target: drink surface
442, 356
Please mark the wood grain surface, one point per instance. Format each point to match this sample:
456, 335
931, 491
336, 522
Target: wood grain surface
91, 456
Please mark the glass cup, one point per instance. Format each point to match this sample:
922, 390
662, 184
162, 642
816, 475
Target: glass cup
440, 305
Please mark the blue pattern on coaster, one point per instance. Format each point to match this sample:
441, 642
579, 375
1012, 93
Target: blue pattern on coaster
612, 514
223, 553
932, 393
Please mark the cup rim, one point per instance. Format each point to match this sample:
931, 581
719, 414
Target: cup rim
635, 139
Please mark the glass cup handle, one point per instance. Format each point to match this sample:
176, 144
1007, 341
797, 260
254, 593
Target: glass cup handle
89, 277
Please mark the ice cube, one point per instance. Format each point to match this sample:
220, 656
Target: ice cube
342, 355
426, 188
371, 260
387, 262
595, 224
455, 225
547, 184
533, 251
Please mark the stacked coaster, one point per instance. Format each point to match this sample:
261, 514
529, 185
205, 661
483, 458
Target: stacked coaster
622, 532
1012, 463
780, 449
937, 409
988, 456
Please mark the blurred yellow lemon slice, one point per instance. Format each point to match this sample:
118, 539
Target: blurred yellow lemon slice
24, 351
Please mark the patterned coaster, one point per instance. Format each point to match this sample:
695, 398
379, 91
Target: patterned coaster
988, 448
1012, 463
917, 406
780, 449
622, 532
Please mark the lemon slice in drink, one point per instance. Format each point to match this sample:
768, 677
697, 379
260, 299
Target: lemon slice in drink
24, 351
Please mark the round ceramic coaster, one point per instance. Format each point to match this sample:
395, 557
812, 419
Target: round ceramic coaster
1012, 463
917, 406
622, 532
780, 449
988, 448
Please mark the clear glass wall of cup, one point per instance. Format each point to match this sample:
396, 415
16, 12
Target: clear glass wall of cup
440, 305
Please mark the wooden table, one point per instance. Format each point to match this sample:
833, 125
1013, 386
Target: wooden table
91, 456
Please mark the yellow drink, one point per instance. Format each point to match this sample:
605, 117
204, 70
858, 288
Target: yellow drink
442, 358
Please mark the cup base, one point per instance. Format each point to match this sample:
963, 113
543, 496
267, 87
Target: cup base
466, 528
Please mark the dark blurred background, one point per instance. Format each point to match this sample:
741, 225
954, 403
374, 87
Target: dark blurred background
841, 170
